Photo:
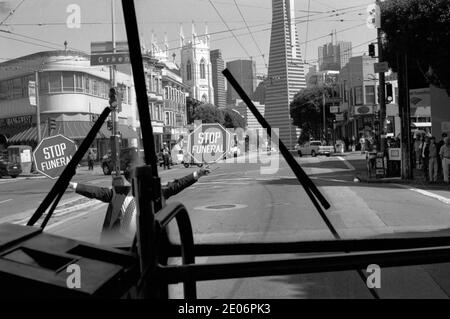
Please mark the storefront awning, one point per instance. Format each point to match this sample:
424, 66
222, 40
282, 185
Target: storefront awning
74, 130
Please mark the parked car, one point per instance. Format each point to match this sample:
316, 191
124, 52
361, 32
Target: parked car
127, 156
314, 148
7, 168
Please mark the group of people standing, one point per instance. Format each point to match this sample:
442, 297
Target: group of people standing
433, 157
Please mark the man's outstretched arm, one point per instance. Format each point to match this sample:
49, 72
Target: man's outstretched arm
101, 193
177, 185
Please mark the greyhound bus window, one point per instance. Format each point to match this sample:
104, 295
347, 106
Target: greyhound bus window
315, 71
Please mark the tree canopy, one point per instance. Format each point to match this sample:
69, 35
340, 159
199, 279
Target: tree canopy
232, 119
421, 29
208, 113
306, 111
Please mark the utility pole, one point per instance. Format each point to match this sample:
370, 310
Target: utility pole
382, 85
324, 119
117, 179
38, 107
404, 113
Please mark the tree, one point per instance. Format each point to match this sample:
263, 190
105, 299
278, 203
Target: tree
208, 113
421, 29
306, 111
191, 105
232, 119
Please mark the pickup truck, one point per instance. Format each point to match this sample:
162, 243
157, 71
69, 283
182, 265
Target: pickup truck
314, 148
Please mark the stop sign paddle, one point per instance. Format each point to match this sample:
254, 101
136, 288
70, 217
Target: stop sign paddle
53, 154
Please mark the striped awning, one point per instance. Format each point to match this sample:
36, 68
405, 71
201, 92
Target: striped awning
72, 129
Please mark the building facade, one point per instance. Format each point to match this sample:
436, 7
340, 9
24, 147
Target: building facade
218, 79
244, 71
359, 108
286, 75
70, 91
334, 57
196, 68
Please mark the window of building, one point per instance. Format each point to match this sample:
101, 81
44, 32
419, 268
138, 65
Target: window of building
202, 69
370, 94
189, 70
204, 98
358, 95
167, 118
68, 81
55, 82
43, 82
25, 81
17, 88
4, 94
78, 82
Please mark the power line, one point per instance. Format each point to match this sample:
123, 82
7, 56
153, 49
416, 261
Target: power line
254, 40
218, 13
12, 12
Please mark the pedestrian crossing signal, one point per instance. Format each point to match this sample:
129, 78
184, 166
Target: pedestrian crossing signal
109, 125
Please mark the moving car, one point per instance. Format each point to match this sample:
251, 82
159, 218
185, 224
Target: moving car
314, 148
8, 168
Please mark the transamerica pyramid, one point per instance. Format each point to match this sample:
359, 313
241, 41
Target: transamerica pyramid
286, 75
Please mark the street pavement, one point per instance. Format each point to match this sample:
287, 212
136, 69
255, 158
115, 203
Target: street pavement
246, 202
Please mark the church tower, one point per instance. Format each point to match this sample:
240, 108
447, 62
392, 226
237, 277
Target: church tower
196, 69
286, 75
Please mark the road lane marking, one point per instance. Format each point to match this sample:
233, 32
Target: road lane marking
426, 193
347, 163
6, 200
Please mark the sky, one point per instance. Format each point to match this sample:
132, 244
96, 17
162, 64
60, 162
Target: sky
41, 25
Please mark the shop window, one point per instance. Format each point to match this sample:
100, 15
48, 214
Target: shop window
68, 81
55, 82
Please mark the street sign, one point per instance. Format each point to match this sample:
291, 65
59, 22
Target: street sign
110, 58
381, 67
53, 154
339, 117
102, 53
208, 143
334, 109
32, 92
104, 47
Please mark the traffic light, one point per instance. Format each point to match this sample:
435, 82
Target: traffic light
51, 124
113, 97
109, 125
389, 94
372, 50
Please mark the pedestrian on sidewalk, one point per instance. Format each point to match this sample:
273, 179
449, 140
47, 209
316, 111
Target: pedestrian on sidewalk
417, 146
425, 153
166, 156
439, 145
120, 219
445, 157
433, 160
91, 159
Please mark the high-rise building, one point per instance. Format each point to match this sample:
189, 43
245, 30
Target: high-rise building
218, 79
196, 66
334, 57
286, 75
244, 71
